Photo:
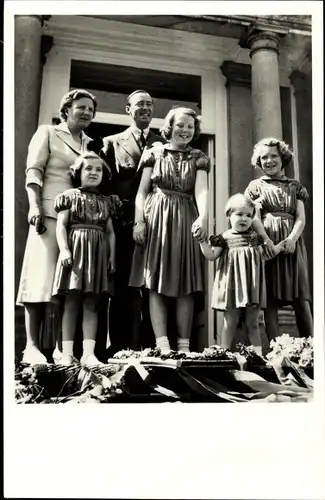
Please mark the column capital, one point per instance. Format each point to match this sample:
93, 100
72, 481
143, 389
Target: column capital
256, 38
40, 19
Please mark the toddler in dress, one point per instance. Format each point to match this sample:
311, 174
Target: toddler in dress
240, 280
86, 261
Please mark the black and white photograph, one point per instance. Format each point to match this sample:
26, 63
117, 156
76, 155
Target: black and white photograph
166, 254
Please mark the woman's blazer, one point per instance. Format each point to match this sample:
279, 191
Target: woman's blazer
50, 153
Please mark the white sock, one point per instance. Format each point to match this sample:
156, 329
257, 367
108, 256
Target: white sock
183, 345
67, 347
88, 347
163, 343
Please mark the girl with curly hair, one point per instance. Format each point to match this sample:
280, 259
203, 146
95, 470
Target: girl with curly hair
280, 216
171, 201
86, 261
239, 285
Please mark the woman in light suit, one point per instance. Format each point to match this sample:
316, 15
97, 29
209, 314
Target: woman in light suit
52, 149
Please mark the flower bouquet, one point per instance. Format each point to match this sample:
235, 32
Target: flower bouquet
293, 359
298, 350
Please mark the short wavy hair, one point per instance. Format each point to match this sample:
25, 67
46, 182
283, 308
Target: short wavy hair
76, 167
166, 130
284, 151
236, 200
70, 97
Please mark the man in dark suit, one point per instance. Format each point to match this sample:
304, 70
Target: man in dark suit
129, 320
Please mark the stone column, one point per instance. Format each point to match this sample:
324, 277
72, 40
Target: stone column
28, 33
28, 70
266, 105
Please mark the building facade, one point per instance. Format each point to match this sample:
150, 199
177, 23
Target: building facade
248, 77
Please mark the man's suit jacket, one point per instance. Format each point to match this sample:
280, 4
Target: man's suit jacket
122, 153
51, 151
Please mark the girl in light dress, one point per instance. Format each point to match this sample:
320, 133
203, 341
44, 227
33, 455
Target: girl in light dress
86, 261
171, 200
240, 280
280, 216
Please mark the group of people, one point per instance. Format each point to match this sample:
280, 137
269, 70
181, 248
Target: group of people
123, 229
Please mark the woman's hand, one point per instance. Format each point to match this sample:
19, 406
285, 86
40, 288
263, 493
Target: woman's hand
36, 218
140, 232
111, 266
289, 245
200, 229
65, 258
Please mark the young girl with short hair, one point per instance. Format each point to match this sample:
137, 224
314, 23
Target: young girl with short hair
86, 261
240, 280
172, 198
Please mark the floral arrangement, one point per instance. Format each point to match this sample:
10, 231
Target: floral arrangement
213, 352
299, 350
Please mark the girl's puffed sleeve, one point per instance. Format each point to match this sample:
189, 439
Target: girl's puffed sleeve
218, 241
148, 158
202, 161
63, 201
302, 193
38, 154
252, 190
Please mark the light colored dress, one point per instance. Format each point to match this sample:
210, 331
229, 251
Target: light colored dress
171, 263
87, 241
287, 274
240, 276
51, 151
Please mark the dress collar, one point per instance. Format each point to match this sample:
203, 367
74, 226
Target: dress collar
64, 127
248, 231
172, 148
268, 178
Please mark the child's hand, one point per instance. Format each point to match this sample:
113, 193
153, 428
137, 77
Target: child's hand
270, 249
140, 233
111, 266
200, 230
280, 247
289, 245
197, 234
66, 258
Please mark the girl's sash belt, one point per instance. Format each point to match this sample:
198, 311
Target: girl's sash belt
170, 191
86, 226
284, 215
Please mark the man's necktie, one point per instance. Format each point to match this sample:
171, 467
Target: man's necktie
142, 140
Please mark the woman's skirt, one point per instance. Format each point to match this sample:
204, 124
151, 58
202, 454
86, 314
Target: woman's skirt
37, 274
